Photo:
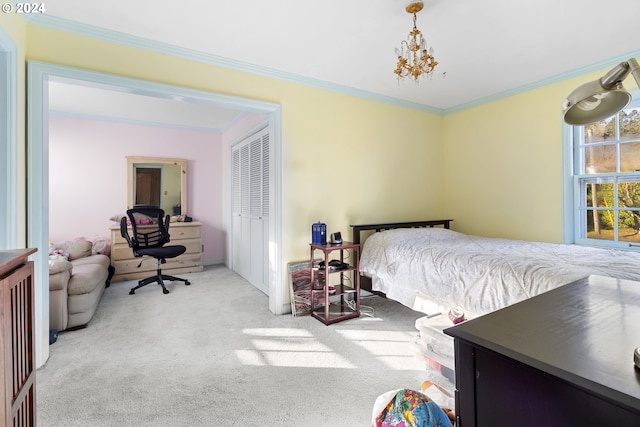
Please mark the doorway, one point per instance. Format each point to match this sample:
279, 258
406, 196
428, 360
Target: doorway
39, 76
148, 186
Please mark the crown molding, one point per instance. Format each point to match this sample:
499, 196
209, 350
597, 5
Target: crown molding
84, 30
545, 82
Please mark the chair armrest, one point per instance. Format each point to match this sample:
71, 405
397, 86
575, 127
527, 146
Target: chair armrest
167, 221
59, 275
124, 231
59, 266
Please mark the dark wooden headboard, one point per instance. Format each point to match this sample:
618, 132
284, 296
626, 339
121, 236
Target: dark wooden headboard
357, 229
365, 282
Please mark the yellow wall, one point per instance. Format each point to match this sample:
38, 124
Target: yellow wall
504, 167
345, 159
352, 161
503, 164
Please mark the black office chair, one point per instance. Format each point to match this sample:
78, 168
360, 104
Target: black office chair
149, 238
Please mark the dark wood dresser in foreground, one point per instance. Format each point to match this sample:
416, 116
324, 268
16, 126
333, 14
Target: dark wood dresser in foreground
17, 339
562, 358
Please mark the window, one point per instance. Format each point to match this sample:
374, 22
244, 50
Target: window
605, 181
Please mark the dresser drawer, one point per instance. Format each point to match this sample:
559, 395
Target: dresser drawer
177, 231
193, 245
120, 251
123, 251
150, 264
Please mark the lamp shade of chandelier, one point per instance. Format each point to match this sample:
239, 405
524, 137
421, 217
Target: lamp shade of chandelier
414, 59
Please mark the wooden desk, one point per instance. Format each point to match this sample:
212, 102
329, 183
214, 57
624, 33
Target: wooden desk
562, 358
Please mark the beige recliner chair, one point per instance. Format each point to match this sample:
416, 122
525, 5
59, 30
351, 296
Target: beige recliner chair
76, 286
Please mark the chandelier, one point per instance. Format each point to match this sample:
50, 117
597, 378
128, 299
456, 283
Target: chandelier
413, 58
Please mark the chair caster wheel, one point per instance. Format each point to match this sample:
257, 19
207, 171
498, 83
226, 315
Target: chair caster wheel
132, 292
165, 291
187, 283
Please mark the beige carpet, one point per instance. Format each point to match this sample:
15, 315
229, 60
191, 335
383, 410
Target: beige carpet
212, 354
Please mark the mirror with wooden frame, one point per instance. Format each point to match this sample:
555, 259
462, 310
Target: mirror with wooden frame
158, 182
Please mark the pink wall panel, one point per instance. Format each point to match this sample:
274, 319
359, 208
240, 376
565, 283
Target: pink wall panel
88, 176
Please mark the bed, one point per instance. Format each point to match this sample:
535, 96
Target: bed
430, 268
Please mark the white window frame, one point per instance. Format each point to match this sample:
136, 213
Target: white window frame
572, 192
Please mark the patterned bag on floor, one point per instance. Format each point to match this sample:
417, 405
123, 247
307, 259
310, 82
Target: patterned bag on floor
409, 408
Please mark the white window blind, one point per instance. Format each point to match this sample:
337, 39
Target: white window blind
250, 176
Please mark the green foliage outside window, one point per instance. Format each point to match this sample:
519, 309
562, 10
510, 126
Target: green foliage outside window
606, 129
611, 153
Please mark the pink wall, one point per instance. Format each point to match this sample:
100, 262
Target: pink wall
88, 176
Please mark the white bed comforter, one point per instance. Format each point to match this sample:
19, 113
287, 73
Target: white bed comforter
480, 274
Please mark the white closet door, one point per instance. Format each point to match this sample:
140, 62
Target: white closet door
250, 209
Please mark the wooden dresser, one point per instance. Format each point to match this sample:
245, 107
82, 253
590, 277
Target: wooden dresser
17, 339
562, 358
187, 234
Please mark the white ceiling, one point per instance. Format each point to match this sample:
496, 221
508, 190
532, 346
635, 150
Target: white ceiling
485, 48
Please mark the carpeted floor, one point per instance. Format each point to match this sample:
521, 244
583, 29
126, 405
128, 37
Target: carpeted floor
212, 354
